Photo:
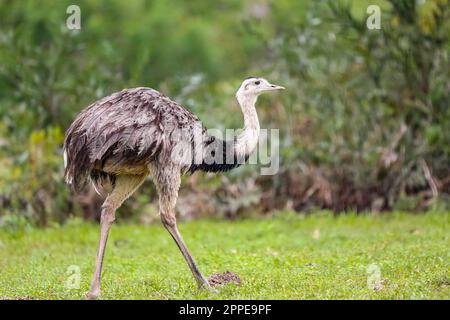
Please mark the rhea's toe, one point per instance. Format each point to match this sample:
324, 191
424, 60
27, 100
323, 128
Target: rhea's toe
207, 287
204, 285
92, 295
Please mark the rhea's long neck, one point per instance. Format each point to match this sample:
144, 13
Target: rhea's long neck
247, 140
237, 150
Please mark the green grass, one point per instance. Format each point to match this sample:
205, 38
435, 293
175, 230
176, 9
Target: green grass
283, 257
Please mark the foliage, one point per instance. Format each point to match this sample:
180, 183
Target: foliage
31, 183
364, 123
369, 113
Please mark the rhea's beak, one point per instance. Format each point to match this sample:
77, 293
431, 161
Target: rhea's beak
273, 87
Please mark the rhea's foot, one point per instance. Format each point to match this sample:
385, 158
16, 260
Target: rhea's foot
204, 285
92, 294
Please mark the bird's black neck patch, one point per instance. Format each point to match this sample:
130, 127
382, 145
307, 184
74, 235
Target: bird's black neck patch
225, 151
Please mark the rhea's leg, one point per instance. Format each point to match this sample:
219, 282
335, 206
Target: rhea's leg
107, 219
125, 186
169, 222
168, 194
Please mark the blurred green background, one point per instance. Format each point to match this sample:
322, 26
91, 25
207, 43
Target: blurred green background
364, 124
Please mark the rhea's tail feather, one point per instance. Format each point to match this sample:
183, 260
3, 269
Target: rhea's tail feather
75, 174
78, 165
79, 176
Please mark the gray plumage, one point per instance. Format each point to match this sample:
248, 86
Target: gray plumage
138, 133
124, 132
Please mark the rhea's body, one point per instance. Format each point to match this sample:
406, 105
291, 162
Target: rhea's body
137, 133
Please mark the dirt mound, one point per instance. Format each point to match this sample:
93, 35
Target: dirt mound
220, 279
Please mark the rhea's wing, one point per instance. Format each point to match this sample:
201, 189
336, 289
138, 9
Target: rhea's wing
126, 129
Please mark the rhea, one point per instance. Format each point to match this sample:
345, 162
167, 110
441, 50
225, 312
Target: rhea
120, 140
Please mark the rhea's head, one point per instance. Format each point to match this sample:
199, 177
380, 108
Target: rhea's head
252, 87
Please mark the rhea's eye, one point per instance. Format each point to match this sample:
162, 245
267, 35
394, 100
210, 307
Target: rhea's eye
257, 82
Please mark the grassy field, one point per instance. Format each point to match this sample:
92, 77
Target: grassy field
287, 256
